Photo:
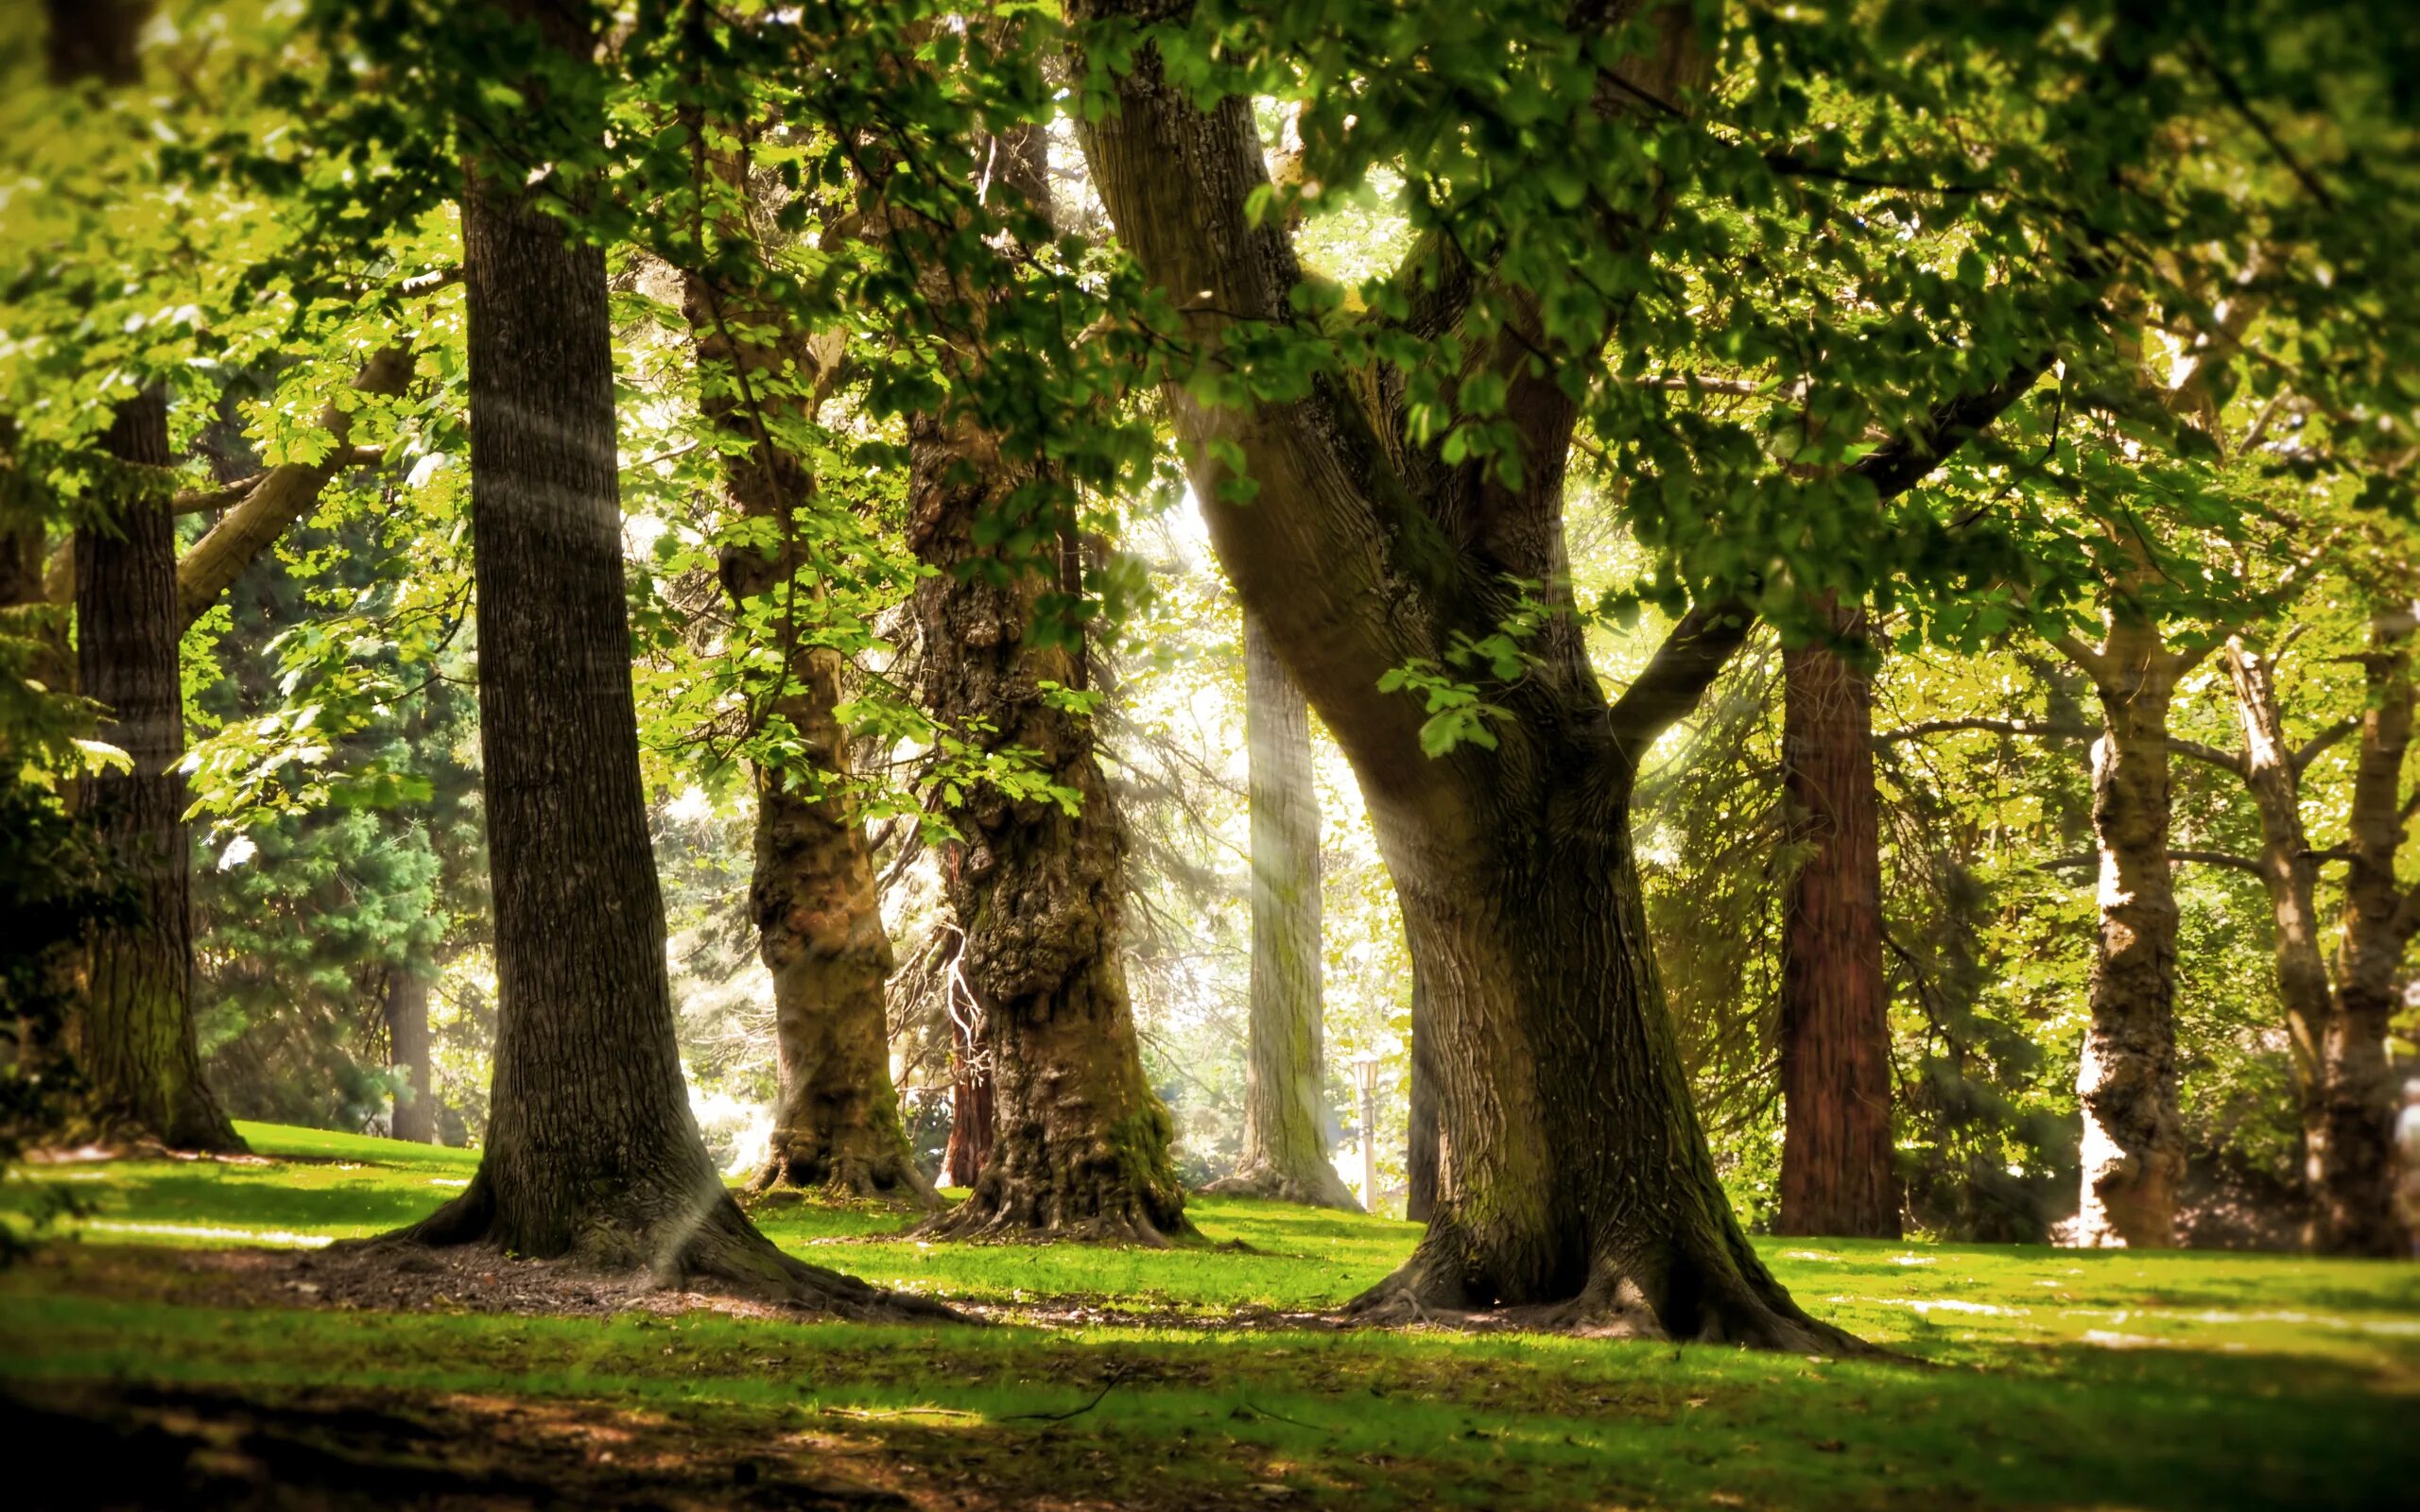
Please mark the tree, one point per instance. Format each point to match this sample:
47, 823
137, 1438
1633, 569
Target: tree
1285, 1147
592, 1153
819, 917
1364, 556
1836, 1167
2337, 1011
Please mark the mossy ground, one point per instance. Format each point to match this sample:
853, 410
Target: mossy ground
2050, 1378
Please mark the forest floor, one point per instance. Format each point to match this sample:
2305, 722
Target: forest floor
176, 1350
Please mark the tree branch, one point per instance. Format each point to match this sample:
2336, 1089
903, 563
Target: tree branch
2311, 748
281, 496
1668, 687
2023, 728
2214, 858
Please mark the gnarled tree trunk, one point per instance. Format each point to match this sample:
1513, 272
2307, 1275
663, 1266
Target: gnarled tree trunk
592, 1152
819, 917
1079, 1144
2133, 1153
1836, 1163
1284, 1147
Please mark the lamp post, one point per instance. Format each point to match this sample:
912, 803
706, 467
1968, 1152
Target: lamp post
1365, 1074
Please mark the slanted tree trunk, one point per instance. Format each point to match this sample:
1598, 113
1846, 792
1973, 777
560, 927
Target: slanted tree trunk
2272, 770
592, 1154
1575, 1186
819, 915
2133, 1152
1836, 1164
407, 1046
1284, 1147
2353, 1156
135, 1036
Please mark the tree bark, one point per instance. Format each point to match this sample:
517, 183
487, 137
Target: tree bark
971, 1108
407, 1047
818, 915
2133, 1151
134, 1039
1837, 1175
2352, 1157
1420, 1159
1079, 1144
593, 1155
1285, 1145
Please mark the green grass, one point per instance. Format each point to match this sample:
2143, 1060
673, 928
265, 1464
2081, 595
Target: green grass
2057, 1378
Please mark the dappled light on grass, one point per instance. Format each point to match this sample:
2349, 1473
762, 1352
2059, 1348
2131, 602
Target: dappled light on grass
2106, 1378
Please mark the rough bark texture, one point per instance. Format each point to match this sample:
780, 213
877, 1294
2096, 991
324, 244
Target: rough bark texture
1575, 1187
1421, 1158
818, 915
2133, 1151
1837, 1175
1079, 1144
134, 1038
2352, 1155
407, 1046
1285, 1146
592, 1153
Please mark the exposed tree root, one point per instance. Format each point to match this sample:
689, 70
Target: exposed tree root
1271, 1184
1668, 1295
707, 1245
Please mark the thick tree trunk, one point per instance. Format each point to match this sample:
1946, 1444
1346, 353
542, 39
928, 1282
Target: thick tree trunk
2132, 1150
592, 1154
1836, 1165
1284, 1147
2352, 1154
1079, 1144
1421, 1158
819, 915
135, 1038
407, 1045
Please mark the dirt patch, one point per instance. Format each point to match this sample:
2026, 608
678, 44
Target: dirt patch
146, 1446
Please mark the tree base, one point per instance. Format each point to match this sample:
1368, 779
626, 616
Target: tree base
845, 1180
1688, 1302
1320, 1189
1002, 1212
719, 1253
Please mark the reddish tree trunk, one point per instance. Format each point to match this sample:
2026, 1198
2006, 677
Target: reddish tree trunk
971, 1109
1836, 1164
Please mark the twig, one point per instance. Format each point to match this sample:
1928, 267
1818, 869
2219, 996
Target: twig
1109, 1383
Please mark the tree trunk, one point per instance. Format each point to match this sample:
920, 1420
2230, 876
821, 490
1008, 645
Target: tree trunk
2289, 875
2353, 1156
592, 1154
407, 1046
1420, 1160
1285, 1148
819, 915
1079, 1144
135, 1038
1836, 1165
971, 1104
2134, 1150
